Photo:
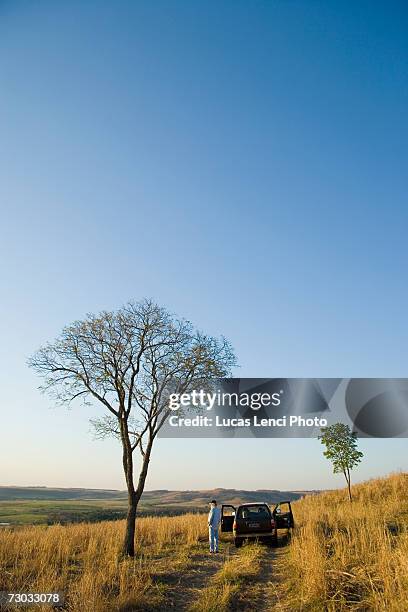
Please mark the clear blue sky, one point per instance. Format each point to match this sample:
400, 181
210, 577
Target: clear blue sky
243, 163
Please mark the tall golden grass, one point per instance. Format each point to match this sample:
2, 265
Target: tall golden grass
351, 555
341, 556
84, 561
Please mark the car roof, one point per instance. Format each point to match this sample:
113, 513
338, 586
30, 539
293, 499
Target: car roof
253, 504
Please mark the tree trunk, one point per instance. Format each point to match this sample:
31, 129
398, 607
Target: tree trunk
349, 485
129, 543
346, 473
127, 459
133, 495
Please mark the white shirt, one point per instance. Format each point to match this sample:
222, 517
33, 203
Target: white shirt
214, 517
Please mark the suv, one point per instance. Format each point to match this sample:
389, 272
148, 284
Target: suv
255, 520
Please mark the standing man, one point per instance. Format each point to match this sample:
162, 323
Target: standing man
214, 519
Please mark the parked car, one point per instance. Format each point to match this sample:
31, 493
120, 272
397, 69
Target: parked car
256, 521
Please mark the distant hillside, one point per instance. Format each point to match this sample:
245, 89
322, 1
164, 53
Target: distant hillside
199, 499
39, 505
161, 498
48, 493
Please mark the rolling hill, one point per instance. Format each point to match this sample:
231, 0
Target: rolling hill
65, 505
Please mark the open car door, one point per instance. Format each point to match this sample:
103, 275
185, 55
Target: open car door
282, 513
227, 517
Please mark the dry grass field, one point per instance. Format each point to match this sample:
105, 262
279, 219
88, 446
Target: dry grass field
83, 561
351, 556
341, 556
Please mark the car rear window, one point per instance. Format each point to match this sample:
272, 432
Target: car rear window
253, 512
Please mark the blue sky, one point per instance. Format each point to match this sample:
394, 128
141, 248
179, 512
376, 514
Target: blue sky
243, 163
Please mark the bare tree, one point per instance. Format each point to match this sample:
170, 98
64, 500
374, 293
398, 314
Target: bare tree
128, 362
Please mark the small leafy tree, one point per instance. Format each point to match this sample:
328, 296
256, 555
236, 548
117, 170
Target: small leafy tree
341, 450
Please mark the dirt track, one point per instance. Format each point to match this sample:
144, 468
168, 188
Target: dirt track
261, 593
